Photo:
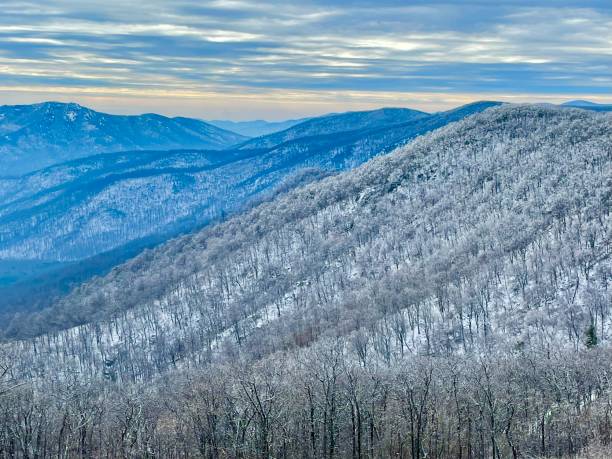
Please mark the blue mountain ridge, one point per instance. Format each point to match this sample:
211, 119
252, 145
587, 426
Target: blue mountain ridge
36, 136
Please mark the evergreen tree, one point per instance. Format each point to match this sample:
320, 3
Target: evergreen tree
591, 337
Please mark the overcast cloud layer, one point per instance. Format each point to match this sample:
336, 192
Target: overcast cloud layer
274, 59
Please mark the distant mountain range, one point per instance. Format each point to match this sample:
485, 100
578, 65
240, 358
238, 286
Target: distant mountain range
256, 128
83, 208
40, 135
588, 105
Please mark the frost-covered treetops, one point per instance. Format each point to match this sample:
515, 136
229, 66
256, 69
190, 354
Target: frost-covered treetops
450, 298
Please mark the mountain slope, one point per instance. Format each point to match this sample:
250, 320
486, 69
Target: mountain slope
256, 128
449, 299
87, 206
81, 208
496, 194
36, 136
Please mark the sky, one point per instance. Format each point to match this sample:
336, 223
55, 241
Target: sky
273, 59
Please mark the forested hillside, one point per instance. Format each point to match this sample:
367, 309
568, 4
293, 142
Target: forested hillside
450, 299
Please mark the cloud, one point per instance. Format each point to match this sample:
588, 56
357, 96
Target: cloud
314, 47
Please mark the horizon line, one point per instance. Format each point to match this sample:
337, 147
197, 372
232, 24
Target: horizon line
103, 106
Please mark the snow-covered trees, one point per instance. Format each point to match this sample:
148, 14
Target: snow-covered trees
321, 401
449, 299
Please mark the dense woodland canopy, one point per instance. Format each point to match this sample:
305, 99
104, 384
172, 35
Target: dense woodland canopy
450, 299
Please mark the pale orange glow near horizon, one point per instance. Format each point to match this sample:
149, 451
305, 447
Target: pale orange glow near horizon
272, 105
